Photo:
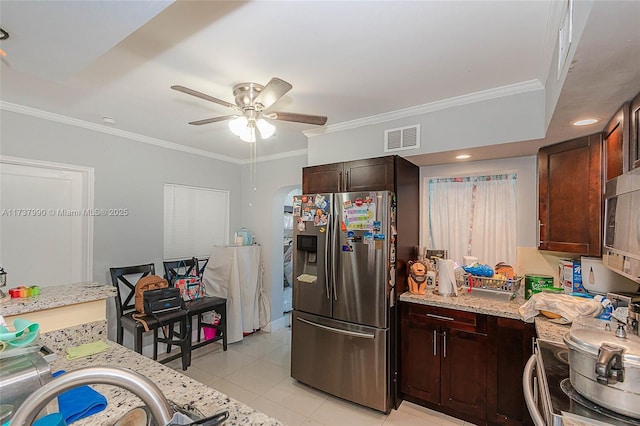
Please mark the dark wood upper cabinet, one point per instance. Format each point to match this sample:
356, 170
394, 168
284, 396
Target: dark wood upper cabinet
373, 174
324, 178
389, 173
634, 136
570, 196
615, 137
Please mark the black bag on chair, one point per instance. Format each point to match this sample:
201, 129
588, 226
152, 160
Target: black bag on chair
161, 300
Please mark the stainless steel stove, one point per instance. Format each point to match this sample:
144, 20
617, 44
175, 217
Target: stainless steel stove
557, 398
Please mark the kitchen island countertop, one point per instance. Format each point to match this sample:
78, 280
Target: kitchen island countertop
58, 296
175, 386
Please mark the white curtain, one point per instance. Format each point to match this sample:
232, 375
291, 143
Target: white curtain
474, 216
449, 216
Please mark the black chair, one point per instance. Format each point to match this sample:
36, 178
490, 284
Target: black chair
202, 305
122, 278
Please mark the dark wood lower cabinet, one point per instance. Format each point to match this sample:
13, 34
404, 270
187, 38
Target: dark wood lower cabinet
510, 346
464, 364
443, 360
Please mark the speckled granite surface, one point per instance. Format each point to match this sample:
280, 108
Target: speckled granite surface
58, 296
545, 329
468, 302
175, 386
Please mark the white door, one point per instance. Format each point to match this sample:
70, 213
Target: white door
46, 227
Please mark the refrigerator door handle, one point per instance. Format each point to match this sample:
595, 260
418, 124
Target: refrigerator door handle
334, 249
327, 240
337, 330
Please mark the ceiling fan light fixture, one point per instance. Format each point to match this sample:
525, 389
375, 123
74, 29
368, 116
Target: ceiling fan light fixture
238, 125
249, 133
265, 128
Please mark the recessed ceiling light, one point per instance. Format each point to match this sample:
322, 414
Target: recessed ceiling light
463, 156
585, 122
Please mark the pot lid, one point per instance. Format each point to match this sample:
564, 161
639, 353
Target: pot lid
590, 340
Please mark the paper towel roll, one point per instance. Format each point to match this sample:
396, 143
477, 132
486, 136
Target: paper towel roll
447, 278
470, 260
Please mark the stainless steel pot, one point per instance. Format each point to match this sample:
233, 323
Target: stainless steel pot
605, 368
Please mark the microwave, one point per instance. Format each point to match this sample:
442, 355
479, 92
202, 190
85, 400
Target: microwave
621, 249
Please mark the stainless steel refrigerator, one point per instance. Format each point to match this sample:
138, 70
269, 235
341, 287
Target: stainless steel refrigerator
344, 279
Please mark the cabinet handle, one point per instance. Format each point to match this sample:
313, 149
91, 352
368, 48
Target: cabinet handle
444, 341
440, 317
435, 343
348, 181
540, 225
339, 180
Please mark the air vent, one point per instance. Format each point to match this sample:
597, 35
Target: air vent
402, 138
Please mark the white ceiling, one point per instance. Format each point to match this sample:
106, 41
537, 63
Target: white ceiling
347, 60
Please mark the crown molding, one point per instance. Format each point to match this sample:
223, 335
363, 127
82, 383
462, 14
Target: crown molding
45, 115
498, 92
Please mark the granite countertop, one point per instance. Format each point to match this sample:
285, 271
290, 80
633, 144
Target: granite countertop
550, 331
468, 302
175, 386
545, 329
58, 296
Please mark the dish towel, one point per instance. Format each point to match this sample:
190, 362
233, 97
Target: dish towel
86, 350
568, 307
79, 402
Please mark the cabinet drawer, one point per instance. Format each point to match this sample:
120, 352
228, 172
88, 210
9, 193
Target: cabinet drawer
454, 319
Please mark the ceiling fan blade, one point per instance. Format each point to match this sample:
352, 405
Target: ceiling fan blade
205, 97
274, 90
212, 120
318, 120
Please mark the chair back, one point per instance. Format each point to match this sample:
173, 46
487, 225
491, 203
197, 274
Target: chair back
124, 278
173, 268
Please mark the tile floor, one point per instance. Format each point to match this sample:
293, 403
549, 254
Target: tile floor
256, 371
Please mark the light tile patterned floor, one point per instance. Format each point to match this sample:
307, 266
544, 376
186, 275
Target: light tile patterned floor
256, 371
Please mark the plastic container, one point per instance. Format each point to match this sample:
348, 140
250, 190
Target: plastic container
536, 284
209, 333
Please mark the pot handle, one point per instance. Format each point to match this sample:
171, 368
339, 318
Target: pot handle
609, 368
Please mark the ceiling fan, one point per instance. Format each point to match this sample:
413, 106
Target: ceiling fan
252, 102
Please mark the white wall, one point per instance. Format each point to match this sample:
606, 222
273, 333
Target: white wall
262, 214
519, 116
128, 174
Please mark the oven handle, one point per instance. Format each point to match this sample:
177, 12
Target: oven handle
527, 387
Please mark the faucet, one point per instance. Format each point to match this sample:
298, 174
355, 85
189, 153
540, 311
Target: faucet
134, 382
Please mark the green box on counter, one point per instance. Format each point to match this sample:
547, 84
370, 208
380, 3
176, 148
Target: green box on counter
538, 283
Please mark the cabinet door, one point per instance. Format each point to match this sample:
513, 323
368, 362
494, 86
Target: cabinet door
464, 371
324, 178
375, 174
510, 345
570, 196
615, 138
634, 139
420, 360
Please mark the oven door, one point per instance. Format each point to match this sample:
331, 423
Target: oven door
531, 388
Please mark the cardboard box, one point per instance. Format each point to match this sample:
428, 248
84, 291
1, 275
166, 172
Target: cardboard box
565, 275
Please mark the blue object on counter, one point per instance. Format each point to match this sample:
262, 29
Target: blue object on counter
585, 295
79, 402
479, 270
53, 419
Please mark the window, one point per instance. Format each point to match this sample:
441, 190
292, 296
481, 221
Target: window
195, 220
475, 216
